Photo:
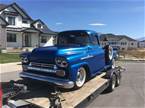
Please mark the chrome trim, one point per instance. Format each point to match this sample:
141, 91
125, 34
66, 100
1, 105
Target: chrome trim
57, 81
88, 56
43, 65
41, 69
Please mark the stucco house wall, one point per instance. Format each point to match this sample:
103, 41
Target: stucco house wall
133, 44
142, 44
2, 37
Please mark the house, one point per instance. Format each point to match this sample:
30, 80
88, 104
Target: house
3, 25
19, 30
141, 44
121, 42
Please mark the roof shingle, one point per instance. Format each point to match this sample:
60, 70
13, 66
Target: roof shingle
112, 37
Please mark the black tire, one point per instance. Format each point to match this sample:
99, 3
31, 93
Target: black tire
112, 83
118, 80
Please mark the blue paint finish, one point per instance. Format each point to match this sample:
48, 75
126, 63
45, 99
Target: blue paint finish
91, 55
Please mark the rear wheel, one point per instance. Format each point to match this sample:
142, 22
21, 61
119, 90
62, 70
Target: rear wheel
81, 77
118, 80
112, 83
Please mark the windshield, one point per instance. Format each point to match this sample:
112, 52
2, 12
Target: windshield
72, 38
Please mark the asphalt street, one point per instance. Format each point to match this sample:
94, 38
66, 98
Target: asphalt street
130, 94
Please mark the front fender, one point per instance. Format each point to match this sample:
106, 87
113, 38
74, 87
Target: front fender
74, 69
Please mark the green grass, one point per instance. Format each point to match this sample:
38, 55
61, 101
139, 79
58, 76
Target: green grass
8, 58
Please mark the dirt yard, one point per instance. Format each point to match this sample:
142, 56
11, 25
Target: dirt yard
133, 54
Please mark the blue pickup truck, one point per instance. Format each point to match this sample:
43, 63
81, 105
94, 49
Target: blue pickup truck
76, 57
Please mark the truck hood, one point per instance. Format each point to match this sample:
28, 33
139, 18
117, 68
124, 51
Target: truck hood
48, 54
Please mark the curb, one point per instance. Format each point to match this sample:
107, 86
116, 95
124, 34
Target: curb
11, 63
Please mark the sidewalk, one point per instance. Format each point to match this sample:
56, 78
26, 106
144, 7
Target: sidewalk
10, 67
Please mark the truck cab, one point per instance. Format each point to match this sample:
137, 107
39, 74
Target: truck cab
76, 56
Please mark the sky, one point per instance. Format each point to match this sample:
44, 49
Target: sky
124, 17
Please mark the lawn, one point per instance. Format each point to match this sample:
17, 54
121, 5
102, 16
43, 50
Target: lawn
8, 58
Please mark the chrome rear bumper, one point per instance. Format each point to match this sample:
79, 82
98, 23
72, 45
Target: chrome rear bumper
57, 81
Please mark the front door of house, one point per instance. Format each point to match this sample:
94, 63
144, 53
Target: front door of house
26, 40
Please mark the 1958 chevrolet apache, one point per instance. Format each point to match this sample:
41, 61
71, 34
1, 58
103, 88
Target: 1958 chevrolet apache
76, 56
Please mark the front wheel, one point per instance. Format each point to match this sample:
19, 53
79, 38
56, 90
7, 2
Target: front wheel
81, 78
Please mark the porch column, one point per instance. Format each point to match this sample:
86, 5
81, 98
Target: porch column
23, 39
39, 37
3, 37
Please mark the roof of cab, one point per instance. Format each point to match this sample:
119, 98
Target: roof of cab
91, 31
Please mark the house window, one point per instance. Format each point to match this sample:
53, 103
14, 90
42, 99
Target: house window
25, 21
11, 37
131, 43
39, 25
43, 39
11, 20
123, 43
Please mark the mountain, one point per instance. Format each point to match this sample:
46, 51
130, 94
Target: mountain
141, 39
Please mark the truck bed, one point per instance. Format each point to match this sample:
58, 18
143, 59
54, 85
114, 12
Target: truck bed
75, 97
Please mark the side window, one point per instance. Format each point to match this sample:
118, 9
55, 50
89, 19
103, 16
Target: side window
11, 37
11, 20
94, 39
43, 39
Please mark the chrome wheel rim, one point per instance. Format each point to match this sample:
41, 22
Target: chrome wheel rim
118, 81
113, 82
113, 64
81, 77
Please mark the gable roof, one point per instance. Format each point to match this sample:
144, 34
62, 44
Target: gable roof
112, 37
142, 41
15, 6
38, 20
45, 29
22, 12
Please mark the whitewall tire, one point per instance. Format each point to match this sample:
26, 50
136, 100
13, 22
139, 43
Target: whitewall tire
81, 77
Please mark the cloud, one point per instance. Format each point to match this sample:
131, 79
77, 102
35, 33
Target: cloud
59, 23
97, 24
